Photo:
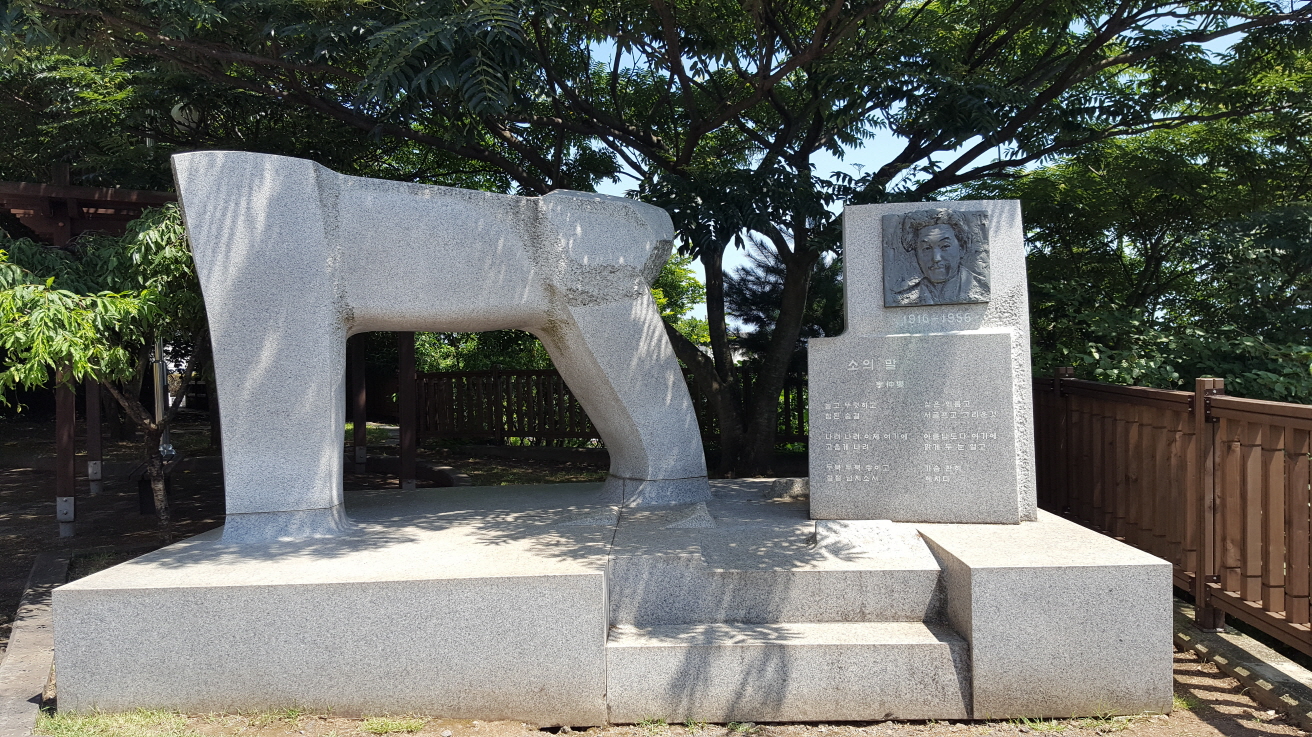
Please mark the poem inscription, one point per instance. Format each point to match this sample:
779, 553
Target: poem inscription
912, 422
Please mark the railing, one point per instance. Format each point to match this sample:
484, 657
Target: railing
1216, 485
537, 404
500, 404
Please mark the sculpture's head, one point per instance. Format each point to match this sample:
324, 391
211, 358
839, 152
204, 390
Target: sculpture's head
938, 240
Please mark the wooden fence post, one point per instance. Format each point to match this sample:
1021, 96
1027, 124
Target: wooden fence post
1207, 617
405, 401
1297, 536
1064, 466
359, 405
498, 406
1273, 519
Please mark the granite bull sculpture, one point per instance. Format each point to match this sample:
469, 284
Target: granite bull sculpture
293, 258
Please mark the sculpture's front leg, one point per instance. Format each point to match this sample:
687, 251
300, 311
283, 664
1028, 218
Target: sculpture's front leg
618, 361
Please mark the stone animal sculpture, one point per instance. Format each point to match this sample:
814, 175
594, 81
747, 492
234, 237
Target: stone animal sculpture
293, 258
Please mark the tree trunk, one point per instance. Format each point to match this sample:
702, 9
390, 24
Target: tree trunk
757, 458
155, 472
112, 417
132, 391
728, 407
725, 391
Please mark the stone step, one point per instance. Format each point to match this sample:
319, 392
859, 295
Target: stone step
795, 570
797, 671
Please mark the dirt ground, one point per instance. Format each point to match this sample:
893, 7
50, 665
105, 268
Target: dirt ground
1207, 704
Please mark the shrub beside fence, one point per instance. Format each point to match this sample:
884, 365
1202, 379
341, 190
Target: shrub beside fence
537, 405
1217, 485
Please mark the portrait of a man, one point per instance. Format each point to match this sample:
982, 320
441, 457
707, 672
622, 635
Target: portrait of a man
936, 257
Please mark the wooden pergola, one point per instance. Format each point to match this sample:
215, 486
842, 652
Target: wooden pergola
58, 213
61, 212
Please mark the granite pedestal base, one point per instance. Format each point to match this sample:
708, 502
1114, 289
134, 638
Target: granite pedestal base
555, 605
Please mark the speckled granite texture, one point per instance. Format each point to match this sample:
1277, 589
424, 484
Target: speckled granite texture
552, 605
796, 672
1061, 620
922, 413
293, 258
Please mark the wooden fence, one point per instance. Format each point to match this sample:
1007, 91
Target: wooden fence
536, 405
1216, 485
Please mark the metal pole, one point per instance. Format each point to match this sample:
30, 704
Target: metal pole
65, 476
405, 400
1207, 617
162, 397
94, 450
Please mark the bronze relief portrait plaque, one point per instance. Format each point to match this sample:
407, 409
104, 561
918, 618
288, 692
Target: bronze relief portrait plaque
936, 257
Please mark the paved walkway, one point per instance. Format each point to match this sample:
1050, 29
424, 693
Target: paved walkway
25, 670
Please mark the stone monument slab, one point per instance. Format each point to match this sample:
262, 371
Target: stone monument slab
920, 410
925, 418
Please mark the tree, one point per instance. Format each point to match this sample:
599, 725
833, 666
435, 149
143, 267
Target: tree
117, 121
677, 291
506, 349
1179, 254
95, 312
719, 108
752, 297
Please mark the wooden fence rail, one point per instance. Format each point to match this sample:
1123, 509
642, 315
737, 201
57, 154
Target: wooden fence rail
1217, 485
536, 404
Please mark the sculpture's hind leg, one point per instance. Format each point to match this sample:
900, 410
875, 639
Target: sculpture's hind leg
618, 361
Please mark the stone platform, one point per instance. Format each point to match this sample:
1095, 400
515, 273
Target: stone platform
547, 605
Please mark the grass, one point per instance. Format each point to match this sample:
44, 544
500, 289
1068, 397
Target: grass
1041, 725
1186, 701
265, 718
653, 726
391, 725
694, 727
741, 727
139, 723
1102, 724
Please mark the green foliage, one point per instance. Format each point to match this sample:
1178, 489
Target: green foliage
677, 291
90, 311
717, 108
44, 329
507, 349
753, 294
1157, 260
70, 109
